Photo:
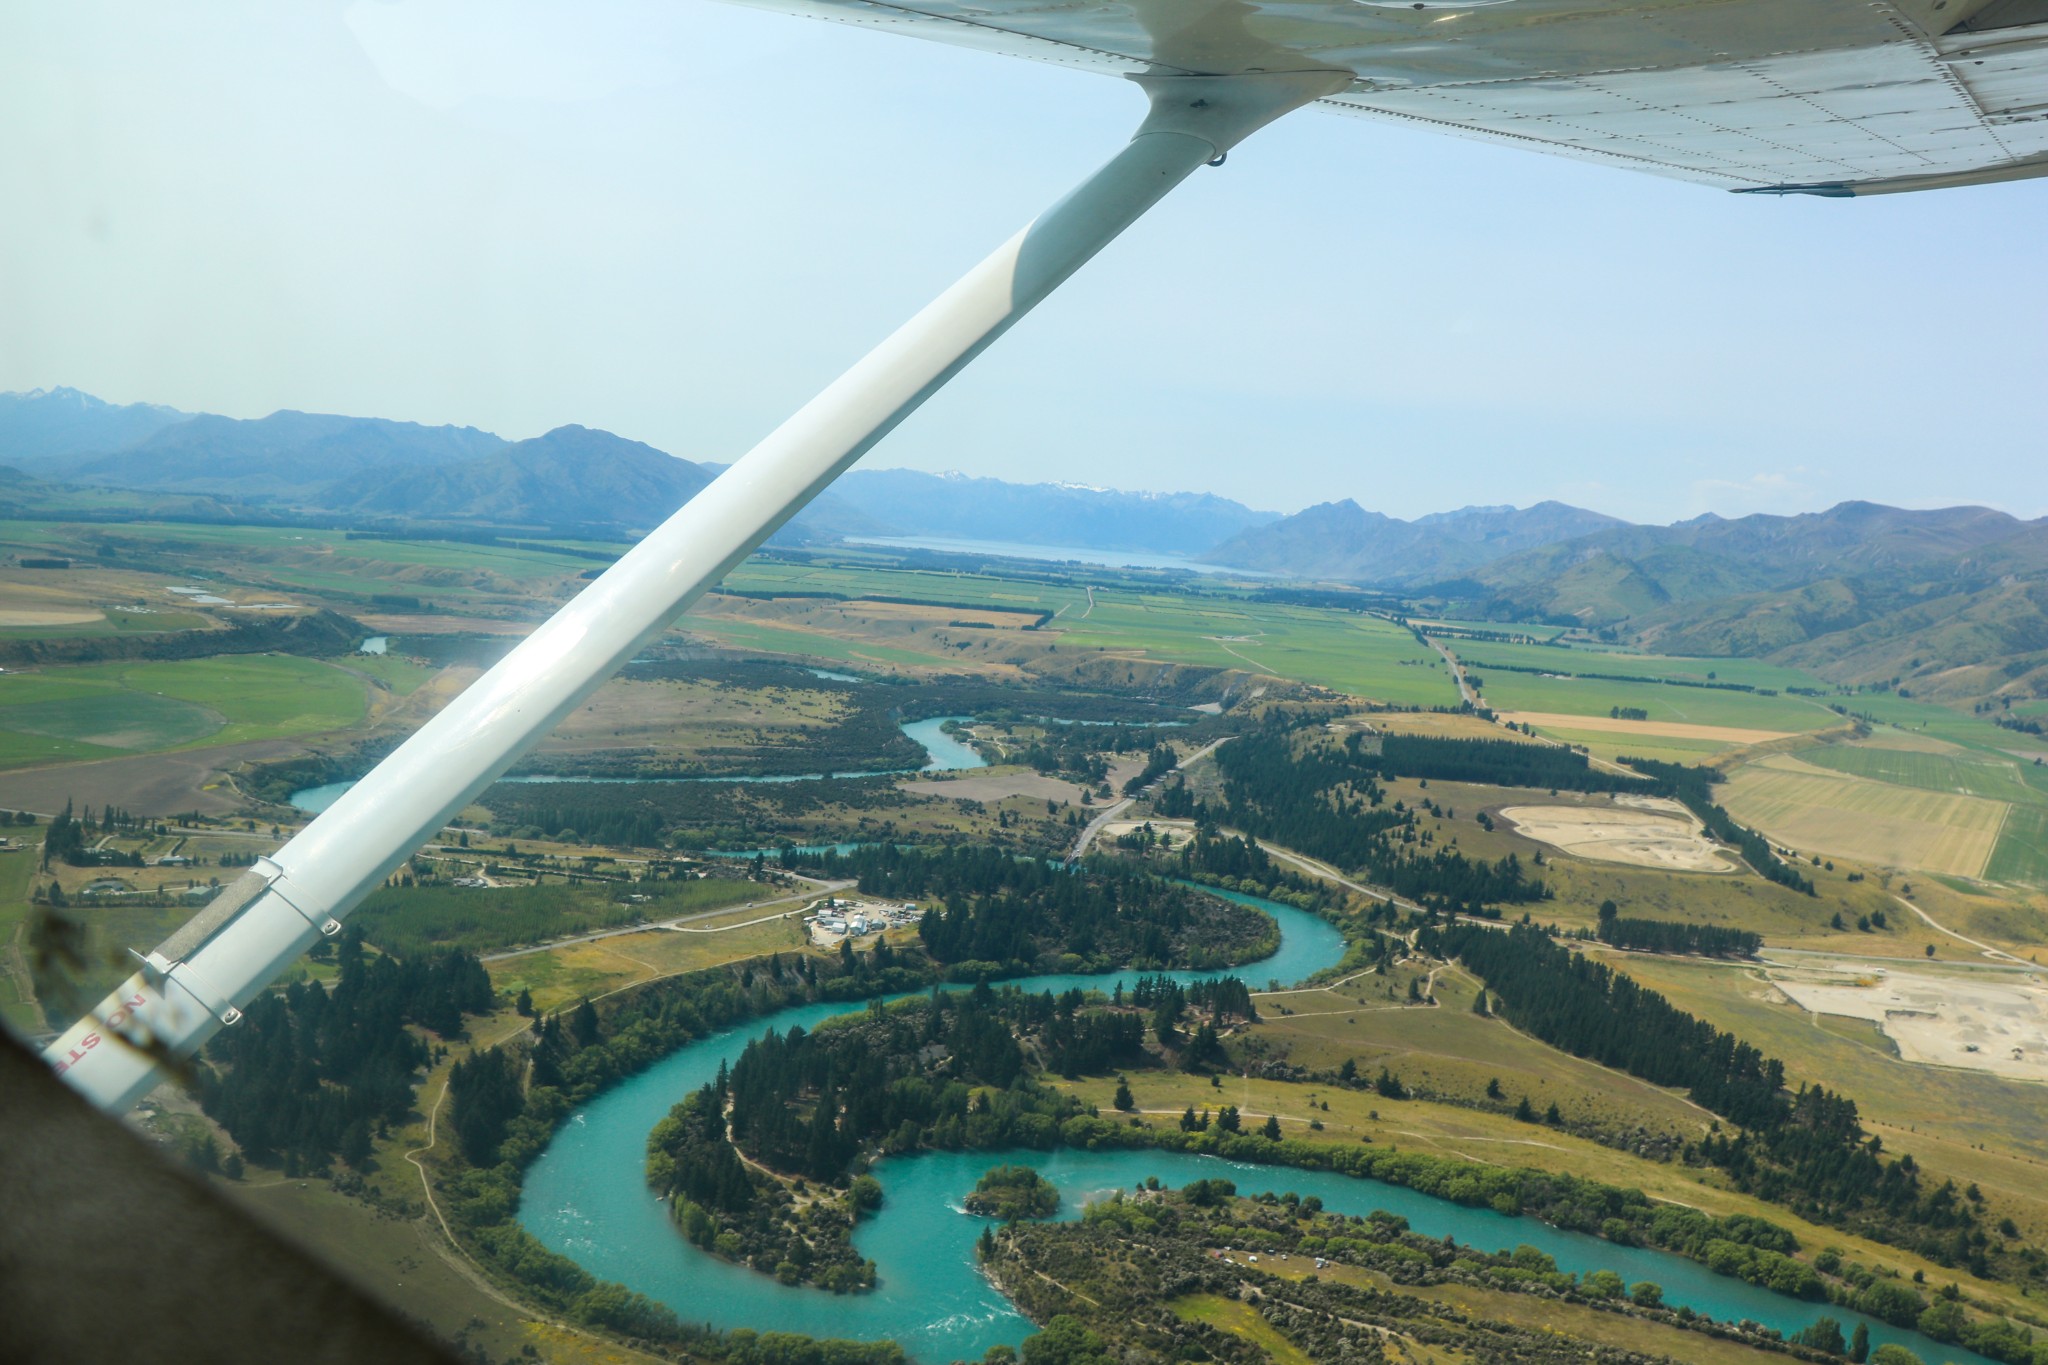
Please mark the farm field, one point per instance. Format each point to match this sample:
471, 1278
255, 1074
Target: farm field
1662, 702
1961, 772
105, 710
1478, 654
1364, 656
560, 977
402, 675
1915, 718
852, 580
740, 633
1873, 822
418, 919
1534, 629
2022, 851
1614, 744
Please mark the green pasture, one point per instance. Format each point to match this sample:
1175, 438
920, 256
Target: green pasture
1536, 629
1569, 659
1957, 727
954, 589
784, 640
101, 710
395, 671
519, 565
417, 919
1662, 748
1360, 655
2021, 854
1967, 774
1687, 705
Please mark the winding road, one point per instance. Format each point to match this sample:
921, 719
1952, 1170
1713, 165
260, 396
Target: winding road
1111, 812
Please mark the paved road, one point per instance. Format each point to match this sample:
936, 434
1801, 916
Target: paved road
1465, 692
1110, 813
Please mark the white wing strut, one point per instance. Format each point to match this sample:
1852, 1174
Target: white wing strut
258, 925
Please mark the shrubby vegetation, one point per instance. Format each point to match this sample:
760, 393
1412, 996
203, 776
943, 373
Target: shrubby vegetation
1119, 1281
729, 815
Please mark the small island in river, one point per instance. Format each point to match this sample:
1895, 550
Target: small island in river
1012, 1193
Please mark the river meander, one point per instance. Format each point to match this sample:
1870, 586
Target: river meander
587, 1198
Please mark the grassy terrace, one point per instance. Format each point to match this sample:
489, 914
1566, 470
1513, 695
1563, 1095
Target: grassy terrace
1665, 704
1478, 654
852, 579
104, 710
1362, 655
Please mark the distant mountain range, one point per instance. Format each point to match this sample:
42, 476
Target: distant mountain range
1955, 598
44, 423
574, 478
962, 507
1343, 541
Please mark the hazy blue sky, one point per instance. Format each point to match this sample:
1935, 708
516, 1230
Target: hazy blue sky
676, 220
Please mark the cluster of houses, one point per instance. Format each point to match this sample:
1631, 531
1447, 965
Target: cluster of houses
836, 918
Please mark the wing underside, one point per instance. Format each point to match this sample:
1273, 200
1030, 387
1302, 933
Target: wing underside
1839, 97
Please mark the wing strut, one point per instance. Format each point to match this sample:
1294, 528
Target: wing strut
194, 982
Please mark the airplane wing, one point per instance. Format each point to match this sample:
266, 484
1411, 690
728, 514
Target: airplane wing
1829, 97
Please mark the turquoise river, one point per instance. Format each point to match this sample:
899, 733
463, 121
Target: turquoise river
587, 1198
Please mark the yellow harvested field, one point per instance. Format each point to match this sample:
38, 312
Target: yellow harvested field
1671, 729
1823, 811
48, 616
1446, 724
1655, 834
